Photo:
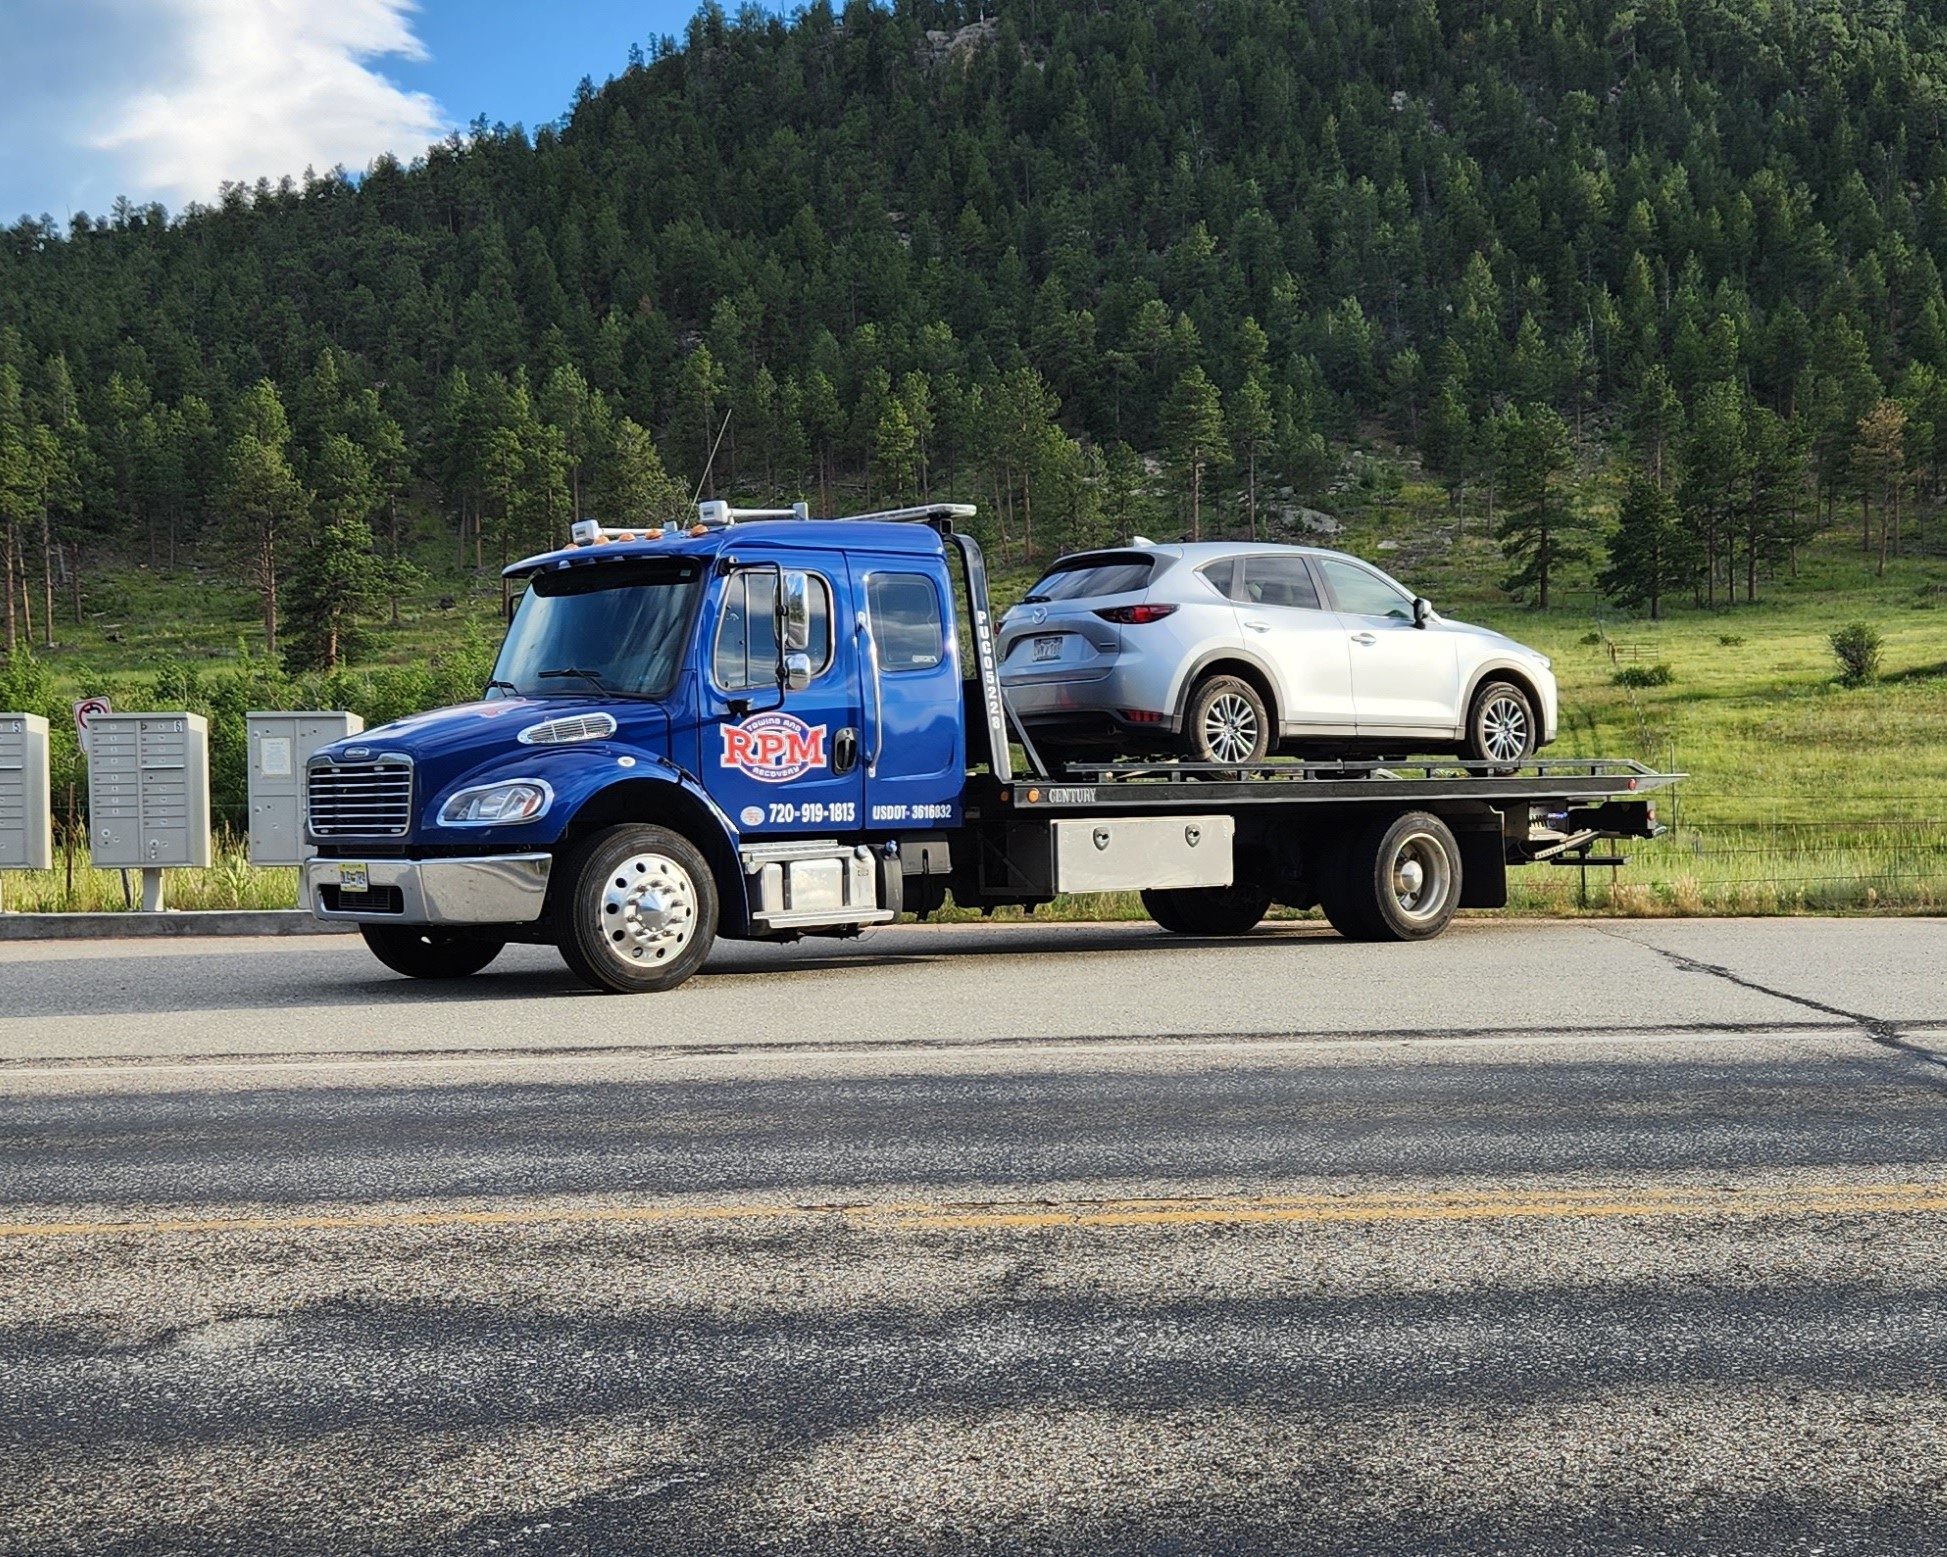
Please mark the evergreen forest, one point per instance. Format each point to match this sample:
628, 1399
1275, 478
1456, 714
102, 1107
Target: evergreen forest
1097, 265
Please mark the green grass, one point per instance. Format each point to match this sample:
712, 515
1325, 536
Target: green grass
231, 881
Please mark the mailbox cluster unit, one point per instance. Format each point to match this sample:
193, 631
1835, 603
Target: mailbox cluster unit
280, 745
149, 790
26, 816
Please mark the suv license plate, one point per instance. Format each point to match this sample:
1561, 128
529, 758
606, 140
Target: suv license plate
354, 878
1048, 648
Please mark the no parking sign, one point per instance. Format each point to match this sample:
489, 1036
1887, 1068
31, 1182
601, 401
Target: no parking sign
85, 710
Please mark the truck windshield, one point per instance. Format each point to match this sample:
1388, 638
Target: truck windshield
603, 627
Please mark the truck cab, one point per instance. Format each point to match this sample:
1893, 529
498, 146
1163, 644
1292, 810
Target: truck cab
784, 697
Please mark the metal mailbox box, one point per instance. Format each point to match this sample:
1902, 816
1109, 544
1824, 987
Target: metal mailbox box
280, 745
26, 815
149, 790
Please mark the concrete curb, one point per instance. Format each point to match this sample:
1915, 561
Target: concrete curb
172, 923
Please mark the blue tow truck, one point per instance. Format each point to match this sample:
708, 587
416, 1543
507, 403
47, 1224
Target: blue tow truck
765, 726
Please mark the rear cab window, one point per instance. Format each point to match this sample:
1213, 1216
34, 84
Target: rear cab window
906, 622
1091, 574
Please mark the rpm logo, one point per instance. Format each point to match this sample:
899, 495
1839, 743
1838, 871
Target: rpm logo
774, 748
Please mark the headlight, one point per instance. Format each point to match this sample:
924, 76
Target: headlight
497, 805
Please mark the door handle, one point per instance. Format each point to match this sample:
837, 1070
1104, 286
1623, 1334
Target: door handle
1364, 638
1259, 627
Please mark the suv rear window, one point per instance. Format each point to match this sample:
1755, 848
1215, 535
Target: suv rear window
1095, 573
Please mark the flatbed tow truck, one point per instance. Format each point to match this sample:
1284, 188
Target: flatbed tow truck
765, 726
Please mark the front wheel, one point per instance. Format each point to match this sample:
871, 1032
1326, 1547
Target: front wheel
1501, 727
637, 909
422, 953
1207, 910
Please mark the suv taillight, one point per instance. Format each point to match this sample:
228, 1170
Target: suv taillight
1136, 615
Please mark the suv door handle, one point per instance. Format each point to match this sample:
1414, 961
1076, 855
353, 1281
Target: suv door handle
1259, 627
1364, 638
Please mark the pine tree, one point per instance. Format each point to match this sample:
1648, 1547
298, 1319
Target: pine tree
1193, 427
1650, 550
261, 504
1537, 530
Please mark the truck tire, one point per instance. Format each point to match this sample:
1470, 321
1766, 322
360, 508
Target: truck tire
1207, 910
1226, 721
420, 952
1501, 728
636, 909
1398, 880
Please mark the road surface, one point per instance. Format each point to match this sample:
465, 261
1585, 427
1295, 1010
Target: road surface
1590, 1237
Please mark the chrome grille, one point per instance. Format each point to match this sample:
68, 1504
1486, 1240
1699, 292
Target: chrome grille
361, 800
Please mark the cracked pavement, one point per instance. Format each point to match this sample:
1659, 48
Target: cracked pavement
1604, 1236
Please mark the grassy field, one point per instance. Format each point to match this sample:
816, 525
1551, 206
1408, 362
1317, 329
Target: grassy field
1803, 795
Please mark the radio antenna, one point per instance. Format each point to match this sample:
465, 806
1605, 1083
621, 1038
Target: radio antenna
704, 478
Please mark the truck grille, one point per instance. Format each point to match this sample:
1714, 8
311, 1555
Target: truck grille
365, 800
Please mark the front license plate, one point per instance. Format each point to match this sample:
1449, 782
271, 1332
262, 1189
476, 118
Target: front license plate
354, 878
1048, 648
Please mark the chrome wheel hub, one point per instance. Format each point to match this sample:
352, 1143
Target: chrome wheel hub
1504, 730
1230, 729
1422, 876
648, 910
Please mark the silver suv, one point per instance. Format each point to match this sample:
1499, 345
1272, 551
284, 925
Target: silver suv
1227, 652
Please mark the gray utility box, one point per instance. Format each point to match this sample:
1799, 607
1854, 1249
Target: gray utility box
1129, 854
26, 812
149, 790
280, 745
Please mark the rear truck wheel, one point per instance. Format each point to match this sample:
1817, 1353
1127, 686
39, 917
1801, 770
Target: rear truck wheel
1397, 881
1227, 722
1229, 910
1501, 727
420, 952
637, 909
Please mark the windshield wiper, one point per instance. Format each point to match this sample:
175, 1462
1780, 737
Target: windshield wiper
505, 686
592, 677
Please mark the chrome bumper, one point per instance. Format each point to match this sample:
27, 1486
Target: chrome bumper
498, 889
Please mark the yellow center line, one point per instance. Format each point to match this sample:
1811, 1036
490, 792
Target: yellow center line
1562, 1202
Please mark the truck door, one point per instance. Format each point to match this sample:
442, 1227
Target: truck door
789, 766
913, 734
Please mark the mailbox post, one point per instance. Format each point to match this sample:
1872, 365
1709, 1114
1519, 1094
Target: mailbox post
280, 745
149, 795
26, 816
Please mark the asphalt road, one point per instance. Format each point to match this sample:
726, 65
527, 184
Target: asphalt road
1545, 1238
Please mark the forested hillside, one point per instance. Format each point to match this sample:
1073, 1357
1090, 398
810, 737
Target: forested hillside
1080, 260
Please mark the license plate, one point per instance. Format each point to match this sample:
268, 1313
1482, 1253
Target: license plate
1048, 648
354, 878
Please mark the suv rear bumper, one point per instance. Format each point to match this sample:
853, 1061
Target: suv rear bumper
496, 889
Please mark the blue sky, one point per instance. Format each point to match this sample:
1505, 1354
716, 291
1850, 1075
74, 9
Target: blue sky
166, 99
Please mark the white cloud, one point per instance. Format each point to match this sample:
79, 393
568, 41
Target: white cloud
168, 99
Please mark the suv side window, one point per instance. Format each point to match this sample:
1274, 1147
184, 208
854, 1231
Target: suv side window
906, 624
746, 652
1362, 592
1221, 576
1279, 581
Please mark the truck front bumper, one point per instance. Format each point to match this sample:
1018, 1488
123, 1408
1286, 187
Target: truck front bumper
496, 889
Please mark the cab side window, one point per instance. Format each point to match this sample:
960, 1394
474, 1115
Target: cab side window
906, 622
1361, 592
1279, 581
746, 652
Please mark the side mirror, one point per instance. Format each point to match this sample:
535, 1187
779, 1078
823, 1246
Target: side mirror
797, 672
1422, 610
796, 595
